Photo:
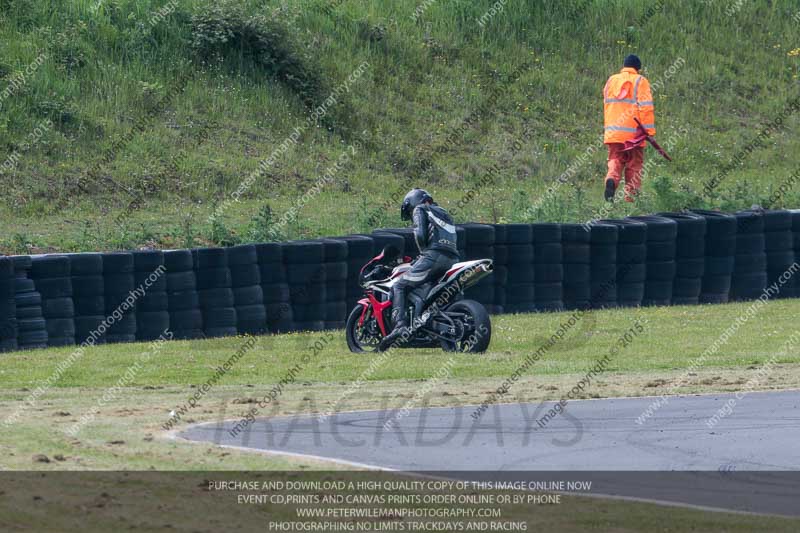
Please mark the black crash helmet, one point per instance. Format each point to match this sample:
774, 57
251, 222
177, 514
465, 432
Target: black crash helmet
414, 198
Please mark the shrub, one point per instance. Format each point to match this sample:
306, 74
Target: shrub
226, 30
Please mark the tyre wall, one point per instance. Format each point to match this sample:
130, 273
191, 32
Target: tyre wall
631, 271
520, 269
692, 257
548, 267
690, 252
248, 296
576, 255
30, 323
183, 300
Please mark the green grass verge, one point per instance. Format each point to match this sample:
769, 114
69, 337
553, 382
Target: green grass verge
672, 338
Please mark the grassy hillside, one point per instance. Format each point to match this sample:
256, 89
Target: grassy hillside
180, 122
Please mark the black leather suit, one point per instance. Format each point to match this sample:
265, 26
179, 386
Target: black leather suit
435, 234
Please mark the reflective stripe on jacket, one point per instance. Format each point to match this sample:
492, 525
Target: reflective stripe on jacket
627, 96
434, 229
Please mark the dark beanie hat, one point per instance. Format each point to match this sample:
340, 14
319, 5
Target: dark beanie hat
633, 61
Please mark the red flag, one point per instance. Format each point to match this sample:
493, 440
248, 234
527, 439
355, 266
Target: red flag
643, 136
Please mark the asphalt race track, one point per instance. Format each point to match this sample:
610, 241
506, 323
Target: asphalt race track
745, 462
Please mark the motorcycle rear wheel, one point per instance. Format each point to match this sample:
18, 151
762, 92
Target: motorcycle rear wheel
364, 338
477, 327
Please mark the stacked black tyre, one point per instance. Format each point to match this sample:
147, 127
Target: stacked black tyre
631, 261
31, 327
500, 274
360, 249
183, 301
521, 269
690, 257
779, 247
214, 286
248, 296
662, 234
548, 287
8, 306
720, 251
410, 248
480, 245
305, 272
120, 301
577, 265
603, 239
51, 277
335, 265
274, 287
88, 287
462, 241
382, 238
152, 308
750, 265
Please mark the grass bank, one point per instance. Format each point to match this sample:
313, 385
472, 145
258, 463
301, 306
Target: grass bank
129, 123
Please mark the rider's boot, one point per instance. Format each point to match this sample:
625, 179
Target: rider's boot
400, 329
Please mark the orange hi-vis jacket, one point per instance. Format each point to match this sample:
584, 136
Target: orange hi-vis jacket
627, 96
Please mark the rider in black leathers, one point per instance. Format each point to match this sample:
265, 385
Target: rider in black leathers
435, 235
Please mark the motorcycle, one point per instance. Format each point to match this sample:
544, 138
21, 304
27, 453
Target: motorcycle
437, 312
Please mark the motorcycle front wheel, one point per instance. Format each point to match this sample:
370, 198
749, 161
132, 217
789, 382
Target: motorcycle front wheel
362, 338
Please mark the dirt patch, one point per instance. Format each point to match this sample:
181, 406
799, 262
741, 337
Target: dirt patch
244, 400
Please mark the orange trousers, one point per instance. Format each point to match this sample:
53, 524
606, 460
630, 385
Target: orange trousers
629, 161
